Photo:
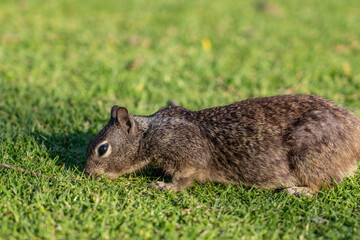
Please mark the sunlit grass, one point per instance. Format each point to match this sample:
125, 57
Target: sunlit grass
63, 64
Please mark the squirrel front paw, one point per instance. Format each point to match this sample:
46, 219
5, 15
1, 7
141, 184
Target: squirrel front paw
299, 191
162, 186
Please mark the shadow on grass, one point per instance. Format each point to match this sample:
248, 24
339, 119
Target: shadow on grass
68, 149
153, 173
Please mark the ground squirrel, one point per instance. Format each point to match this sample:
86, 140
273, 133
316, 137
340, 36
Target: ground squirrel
296, 142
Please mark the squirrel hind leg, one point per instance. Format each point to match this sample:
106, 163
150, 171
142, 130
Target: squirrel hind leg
322, 149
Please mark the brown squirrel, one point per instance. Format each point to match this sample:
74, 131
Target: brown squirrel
297, 142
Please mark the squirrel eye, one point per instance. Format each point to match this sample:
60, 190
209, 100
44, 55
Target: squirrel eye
102, 149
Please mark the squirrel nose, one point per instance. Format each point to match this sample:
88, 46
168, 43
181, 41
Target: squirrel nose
90, 174
87, 170
87, 173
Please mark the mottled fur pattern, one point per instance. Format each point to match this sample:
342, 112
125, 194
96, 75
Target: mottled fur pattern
293, 141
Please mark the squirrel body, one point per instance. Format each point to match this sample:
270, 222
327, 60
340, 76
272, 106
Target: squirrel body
298, 142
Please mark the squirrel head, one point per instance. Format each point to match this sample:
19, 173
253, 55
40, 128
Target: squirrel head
112, 152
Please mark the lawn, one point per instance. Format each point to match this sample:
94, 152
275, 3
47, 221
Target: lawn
64, 64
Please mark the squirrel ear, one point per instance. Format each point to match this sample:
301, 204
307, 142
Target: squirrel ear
123, 118
114, 111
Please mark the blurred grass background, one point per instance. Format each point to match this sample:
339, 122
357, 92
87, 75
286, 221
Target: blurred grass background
64, 63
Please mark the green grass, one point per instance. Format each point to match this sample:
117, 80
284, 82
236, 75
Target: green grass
63, 64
